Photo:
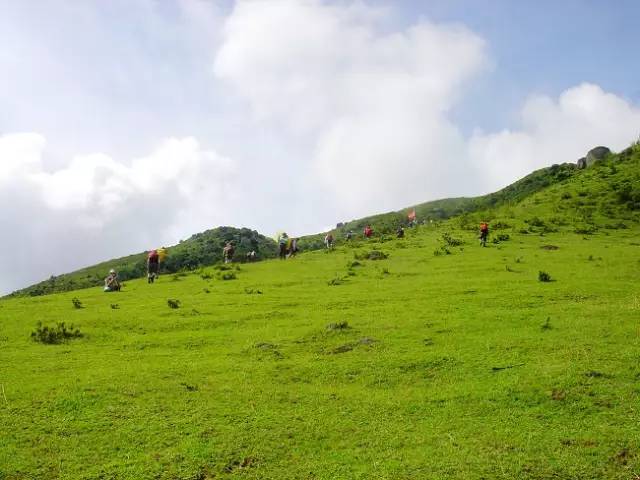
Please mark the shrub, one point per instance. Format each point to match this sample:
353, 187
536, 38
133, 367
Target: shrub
535, 222
54, 335
544, 276
338, 326
585, 229
227, 276
173, 303
371, 255
335, 281
76, 302
451, 241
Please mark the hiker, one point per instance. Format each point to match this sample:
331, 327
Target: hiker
251, 256
153, 266
227, 252
293, 248
484, 233
368, 231
111, 283
328, 240
400, 232
349, 235
282, 243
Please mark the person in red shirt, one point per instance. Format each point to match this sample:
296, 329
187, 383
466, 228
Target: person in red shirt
484, 233
368, 231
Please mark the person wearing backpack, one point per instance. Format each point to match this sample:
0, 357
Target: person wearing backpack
153, 266
227, 252
368, 231
111, 283
282, 243
484, 233
328, 241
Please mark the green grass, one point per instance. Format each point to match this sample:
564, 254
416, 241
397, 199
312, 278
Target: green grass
442, 360
451, 366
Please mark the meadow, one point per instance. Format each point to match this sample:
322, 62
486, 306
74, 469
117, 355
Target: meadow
333, 365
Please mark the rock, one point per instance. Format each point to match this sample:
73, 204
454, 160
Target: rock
596, 154
581, 163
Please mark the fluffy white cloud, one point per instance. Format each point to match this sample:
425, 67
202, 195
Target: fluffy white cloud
372, 103
554, 131
95, 208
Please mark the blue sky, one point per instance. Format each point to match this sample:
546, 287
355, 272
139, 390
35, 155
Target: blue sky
541, 46
287, 114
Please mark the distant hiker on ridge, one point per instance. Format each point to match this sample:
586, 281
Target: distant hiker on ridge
368, 231
153, 266
484, 233
111, 283
293, 248
328, 241
349, 235
400, 232
282, 243
227, 252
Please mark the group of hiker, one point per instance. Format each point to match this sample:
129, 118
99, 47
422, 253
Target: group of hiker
287, 248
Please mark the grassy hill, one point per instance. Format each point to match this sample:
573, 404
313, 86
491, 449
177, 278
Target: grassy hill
422, 358
201, 249
205, 248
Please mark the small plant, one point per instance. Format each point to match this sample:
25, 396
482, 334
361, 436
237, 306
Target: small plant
54, 335
546, 325
173, 303
335, 281
385, 271
228, 276
544, 276
252, 291
369, 255
344, 325
115, 306
451, 241
76, 303
206, 276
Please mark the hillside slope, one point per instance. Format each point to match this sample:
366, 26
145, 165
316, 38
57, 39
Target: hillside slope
442, 360
200, 249
602, 196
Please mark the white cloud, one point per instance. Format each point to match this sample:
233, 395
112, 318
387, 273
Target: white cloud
372, 103
95, 208
554, 131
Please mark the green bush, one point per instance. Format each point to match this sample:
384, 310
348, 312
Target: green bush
544, 276
54, 335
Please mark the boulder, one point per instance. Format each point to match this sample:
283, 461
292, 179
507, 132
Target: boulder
582, 163
596, 154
